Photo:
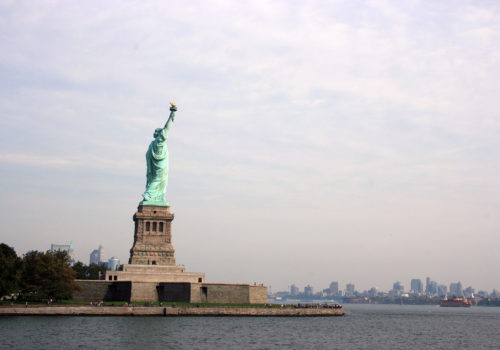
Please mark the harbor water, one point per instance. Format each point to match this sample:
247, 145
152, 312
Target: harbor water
363, 327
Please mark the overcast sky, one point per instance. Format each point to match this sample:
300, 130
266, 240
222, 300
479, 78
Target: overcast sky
315, 141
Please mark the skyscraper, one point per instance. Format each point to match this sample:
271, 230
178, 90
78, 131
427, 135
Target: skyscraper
469, 292
456, 289
416, 286
113, 263
442, 290
97, 256
308, 291
397, 289
372, 291
430, 287
334, 288
349, 290
64, 247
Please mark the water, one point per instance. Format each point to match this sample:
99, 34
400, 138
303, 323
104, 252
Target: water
363, 327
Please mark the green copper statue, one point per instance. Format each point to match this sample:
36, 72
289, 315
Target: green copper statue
157, 162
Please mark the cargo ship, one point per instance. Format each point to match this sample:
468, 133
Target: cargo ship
455, 302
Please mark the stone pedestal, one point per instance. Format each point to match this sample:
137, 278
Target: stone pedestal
152, 275
152, 257
153, 236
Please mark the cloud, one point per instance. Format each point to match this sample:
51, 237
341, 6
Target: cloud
37, 161
299, 109
41, 161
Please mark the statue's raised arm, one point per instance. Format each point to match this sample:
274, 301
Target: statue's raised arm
157, 164
170, 120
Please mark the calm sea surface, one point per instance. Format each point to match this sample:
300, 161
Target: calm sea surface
363, 327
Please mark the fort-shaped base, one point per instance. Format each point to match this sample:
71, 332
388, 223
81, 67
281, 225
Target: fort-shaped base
154, 273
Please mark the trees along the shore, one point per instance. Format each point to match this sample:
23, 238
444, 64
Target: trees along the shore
37, 276
95, 271
89, 272
47, 276
81, 271
10, 270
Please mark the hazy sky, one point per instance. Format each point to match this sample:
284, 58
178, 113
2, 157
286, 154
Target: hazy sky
356, 141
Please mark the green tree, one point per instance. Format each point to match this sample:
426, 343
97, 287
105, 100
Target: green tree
96, 271
89, 272
81, 271
10, 270
48, 276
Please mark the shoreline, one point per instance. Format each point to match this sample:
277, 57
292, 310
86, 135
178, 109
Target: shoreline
165, 311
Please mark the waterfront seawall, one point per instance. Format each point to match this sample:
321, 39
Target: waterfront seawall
165, 311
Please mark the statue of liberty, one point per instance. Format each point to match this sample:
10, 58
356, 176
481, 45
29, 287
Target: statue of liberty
157, 163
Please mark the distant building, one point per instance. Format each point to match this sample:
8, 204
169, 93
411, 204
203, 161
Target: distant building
308, 291
442, 290
350, 290
64, 247
469, 292
456, 289
334, 288
482, 294
97, 256
372, 292
416, 286
113, 263
430, 287
281, 295
398, 286
294, 290
397, 289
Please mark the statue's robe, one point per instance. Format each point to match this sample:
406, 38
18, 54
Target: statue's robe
157, 169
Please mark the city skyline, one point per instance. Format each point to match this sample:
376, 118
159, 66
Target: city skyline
97, 256
312, 139
434, 289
